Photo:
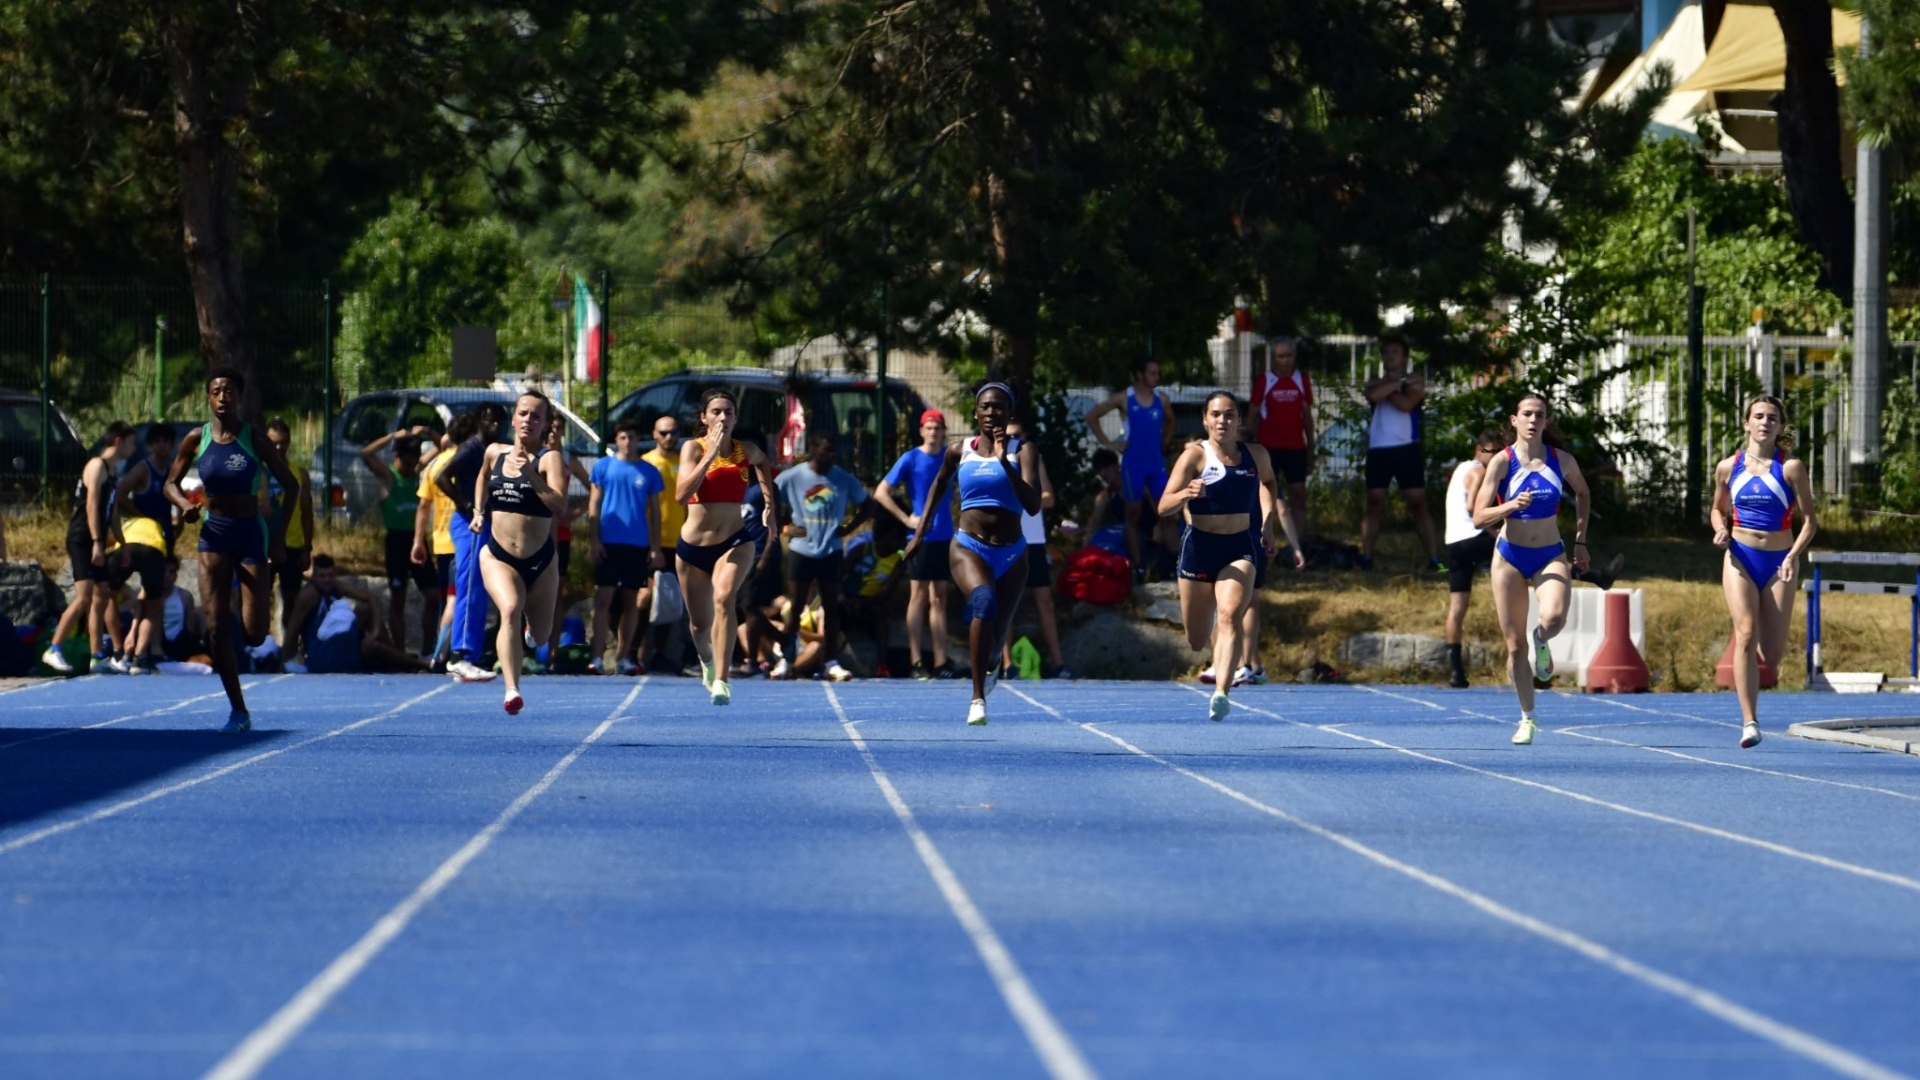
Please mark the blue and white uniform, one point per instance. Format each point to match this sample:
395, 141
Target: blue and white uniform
231, 470
1762, 502
1548, 485
1143, 467
1230, 489
984, 482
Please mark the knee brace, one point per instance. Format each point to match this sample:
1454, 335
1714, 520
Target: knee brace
982, 605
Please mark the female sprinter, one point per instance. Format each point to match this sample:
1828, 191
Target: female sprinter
1754, 494
989, 555
1523, 488
715, 547
520, 490
236, 547
1223, 488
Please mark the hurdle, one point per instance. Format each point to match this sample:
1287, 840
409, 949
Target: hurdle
1817, 585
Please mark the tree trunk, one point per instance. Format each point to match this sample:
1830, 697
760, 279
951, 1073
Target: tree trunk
1014, 348
209, 210
1808, 116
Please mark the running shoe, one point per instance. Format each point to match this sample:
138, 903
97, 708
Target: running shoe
1218, 706
946, 671
238, 723
781, 670
627, 665
1458, 680
1012, 671
1206, 677
706, 675
1435, 566
466, 670
593, 668
1749, 736
1061, 672
56, 660
103, 665
1542, 657
977, 713
513, 703
1259, 676
837, 673
141, 665
1243, 676
1523, 734
921, 671
722, 694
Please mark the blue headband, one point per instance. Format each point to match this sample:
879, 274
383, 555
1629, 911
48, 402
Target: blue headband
1000, 386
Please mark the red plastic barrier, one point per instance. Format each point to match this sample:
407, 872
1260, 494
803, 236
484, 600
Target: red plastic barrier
1723, 672
1617, 667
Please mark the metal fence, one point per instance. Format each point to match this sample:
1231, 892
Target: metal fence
78, 352
1636, 387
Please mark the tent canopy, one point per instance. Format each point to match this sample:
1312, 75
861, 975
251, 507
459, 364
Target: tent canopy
1749, 52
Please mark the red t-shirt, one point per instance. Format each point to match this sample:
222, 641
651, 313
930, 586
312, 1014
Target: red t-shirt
1282, 412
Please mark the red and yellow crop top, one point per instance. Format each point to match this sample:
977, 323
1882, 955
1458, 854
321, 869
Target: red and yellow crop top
726, 480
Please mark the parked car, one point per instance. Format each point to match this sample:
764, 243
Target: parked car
369, 416
20, 438
840, 404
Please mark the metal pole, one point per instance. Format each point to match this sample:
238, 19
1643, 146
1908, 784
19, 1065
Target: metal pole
880, 386
606, 345
1696, 383
1869, 304
46, 387
159, 367
326, 395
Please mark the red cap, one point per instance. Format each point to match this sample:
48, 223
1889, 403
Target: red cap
934, 415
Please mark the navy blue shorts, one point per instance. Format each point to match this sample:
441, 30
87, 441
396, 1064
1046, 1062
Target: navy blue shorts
242, 539
1203, 555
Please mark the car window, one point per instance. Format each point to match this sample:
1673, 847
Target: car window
367, 420
420, 411
764, 410
649, 404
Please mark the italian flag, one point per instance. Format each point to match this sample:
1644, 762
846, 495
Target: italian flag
590, 333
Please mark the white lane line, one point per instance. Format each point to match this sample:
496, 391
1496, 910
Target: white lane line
1604, 700
1824, 861
267, 1040
1579, 732
1061, 1058
1777, 1032
175, 707
37, 684
159, 793
1401, 697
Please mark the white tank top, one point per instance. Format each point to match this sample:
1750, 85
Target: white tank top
1459, 514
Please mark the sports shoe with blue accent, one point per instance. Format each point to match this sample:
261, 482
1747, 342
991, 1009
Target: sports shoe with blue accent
1218, 706
238, 723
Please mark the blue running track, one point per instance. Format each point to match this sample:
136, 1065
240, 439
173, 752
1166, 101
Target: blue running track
391, 877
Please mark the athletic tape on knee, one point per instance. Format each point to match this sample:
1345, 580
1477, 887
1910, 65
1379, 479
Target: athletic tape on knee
982, 605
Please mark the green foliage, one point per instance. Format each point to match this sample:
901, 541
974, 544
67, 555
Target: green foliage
1900, 468
1631, 265
1883, 90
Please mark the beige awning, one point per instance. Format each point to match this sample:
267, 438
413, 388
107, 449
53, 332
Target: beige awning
1748, 52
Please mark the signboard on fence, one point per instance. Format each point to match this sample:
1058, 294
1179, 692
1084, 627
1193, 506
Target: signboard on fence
475, 352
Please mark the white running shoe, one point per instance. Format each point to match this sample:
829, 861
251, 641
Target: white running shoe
1523, 735
103, 665
722, 694
1218, 706
977, 713
465, 670
56, 660
1243, 676
836, 672
513, 703
1206, 677
1749, 736
781, 670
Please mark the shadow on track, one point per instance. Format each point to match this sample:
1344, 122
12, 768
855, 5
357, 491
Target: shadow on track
47, 775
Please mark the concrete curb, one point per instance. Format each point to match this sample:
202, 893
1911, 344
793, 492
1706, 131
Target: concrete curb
1900, 734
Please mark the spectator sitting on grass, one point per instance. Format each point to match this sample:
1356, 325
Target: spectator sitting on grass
340, 626
869, 589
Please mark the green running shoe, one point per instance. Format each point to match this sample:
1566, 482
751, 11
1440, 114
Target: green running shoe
1523, 735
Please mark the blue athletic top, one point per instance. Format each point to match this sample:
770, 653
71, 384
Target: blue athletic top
1547, 485
1231, 489
1761, 501
151, 501
1146, 427
984, 481
229, 469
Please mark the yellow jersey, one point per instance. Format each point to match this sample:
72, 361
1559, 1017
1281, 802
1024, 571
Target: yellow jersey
673, 513
442, 505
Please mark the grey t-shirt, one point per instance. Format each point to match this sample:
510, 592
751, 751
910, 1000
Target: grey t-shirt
818, 504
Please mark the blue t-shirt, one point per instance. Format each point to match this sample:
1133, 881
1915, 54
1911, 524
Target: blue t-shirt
818, 504
912, 475
627, 489
463, 469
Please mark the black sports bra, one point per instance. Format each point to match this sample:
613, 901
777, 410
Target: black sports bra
514, 495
